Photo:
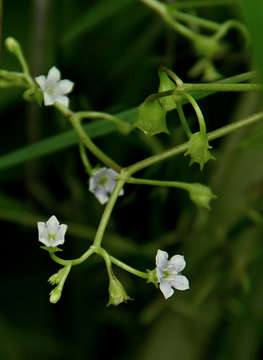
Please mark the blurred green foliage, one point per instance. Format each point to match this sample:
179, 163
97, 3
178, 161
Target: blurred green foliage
112, 51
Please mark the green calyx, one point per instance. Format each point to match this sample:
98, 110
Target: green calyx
152, 117
152, 277
198, 149
117, 293
166, 84
201, 195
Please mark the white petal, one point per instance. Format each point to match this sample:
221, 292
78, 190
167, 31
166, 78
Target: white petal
180, 282
166, 289
60, 236
161, 258
41, 81
178, 262
53, 75
102, 196
41, 226
64, 87
46, 242
92, 184
121, 192
52, 225
48, 100
63, 100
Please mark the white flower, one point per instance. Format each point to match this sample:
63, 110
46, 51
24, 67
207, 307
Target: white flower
53, 88
102, 184
51, 233
168, 273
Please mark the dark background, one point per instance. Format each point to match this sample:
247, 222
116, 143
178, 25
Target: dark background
112, 52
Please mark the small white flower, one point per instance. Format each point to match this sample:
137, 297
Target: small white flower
51, 233
102, 184
54, 89
168, 273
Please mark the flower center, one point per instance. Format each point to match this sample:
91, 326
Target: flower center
102, 181
51, 236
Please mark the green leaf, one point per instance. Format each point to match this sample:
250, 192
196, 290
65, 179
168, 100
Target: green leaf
151, 117
62, 141
99, 12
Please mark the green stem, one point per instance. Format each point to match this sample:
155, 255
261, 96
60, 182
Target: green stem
176, 184
162, 10
122, 126
183, 120
91, 250
192, 19
183, 147
201, 3
198, 112
128, 268
85, 139
107, 212
85, 159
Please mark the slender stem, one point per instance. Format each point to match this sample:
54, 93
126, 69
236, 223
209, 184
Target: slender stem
91, 250
128, 268
183, 120
192, 19
201, 3
122, 126
162, 10
85, 139
85, 159
198, 112
176, 184
107, 212
183, 147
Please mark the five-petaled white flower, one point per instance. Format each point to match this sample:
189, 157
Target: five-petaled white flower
168, 273
102, 184
54, 89
51, 233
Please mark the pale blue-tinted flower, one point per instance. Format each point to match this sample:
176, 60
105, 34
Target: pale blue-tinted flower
102, 184
168, 273
54, 89
51, 234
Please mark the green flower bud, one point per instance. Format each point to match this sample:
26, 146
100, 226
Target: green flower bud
151, 117
12, 45
55, 295
201, 195
166, 84
198, 149
59, 276
117, 293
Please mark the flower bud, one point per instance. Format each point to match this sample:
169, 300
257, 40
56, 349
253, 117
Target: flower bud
117, 293
201, 195
198, 149
55, 295
12, 45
